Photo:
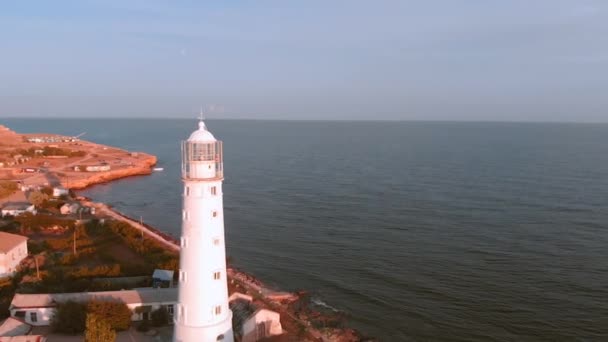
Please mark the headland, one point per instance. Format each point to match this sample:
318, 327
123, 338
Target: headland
55, 160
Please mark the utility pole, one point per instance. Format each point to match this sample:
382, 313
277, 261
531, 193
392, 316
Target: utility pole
141, 222
37, 268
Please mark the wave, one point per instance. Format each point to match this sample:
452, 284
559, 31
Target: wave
320, 303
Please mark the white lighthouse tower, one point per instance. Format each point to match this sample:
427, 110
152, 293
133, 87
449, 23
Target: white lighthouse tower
202, 313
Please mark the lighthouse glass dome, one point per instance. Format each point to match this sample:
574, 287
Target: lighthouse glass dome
202, 160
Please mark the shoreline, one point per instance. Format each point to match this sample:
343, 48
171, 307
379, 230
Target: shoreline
130, 164
280, 301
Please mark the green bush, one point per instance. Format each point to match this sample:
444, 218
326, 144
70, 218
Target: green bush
116, 314
69, 318
37, 247
160, 317
37, 198
98, 330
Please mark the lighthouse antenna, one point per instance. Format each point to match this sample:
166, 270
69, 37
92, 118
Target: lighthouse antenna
201, 116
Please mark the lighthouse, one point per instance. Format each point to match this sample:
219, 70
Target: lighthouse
202, 313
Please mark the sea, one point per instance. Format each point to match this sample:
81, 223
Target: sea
415, 231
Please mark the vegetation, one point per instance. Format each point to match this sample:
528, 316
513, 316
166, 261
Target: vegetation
48, 151
7, 188
73, 317
37, 198
116, 314
37, 247
35, 223
150, 249
98, 330
69, 318
160, 317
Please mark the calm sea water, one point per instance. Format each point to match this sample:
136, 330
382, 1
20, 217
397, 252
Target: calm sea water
418, 231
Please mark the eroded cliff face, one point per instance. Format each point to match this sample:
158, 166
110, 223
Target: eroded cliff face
85, 179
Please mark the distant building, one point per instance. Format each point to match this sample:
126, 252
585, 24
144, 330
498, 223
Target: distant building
13, 249
59, 191
37, 309
162, 278
17, 208
69, 208
93, 168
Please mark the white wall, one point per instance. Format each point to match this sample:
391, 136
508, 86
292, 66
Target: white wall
10, 260
272, 326
44, 315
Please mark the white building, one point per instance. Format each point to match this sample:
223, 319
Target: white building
59, 191
203, 313
252, 323
37, 309
16, 209
13, 249
69, 208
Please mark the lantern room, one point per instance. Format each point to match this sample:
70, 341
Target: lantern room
202, 157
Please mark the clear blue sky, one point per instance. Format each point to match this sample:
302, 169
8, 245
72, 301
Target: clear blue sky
515, 60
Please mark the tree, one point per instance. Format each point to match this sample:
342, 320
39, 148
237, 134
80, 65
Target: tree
117, 315
69, 318
98, 330
160, 317
38, 198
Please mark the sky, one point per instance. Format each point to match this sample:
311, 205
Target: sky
488, 60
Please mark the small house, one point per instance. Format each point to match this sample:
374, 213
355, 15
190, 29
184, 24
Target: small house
59, 191
69, 208
98, 168
37, 309
13, 249
251, 323
18, 208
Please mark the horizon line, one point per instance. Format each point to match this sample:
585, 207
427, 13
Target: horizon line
301, 120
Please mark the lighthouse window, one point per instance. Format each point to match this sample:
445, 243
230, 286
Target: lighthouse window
214, 190
187, 191
182, 276
34, 317
217, 275
216, 241
214, 213
218, 310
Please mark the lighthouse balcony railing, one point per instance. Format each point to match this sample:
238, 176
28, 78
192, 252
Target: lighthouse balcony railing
193, 174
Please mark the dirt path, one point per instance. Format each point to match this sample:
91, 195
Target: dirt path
102, 209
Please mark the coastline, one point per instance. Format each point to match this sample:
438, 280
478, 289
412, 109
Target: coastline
310, 325
293, 307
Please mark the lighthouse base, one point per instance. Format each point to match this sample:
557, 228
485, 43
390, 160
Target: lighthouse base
221, 331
